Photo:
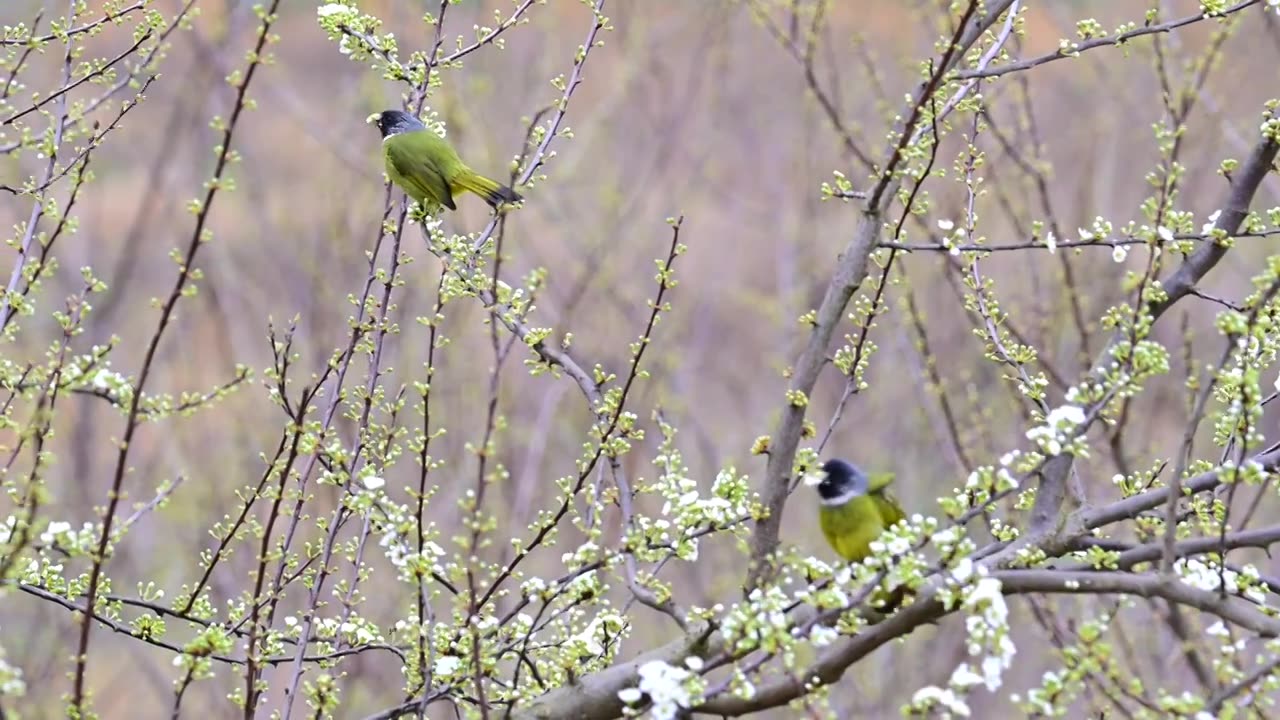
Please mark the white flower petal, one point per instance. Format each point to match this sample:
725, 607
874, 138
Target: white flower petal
630, 696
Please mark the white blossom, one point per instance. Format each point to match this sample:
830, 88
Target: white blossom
989, 626
964, 677
822, 636
899, 545
1201, 575
104, 379
1253, 591
1207, 228
54, 529
993, 667
630, 696
933, 695
1119, 253
591, 634
446, 665
987, 592
1058, 428
334, 9
1072, 414
664, 684
949, 536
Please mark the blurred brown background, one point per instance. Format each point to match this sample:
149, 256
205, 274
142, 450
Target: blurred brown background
690, 108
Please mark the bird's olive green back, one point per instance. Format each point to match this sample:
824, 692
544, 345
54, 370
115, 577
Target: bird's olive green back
424, 164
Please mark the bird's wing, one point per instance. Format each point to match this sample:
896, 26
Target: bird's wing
417, 172
877, 482
886, 504
888, 507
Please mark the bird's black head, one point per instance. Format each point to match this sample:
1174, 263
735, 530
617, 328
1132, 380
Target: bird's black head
392, 122
841, 481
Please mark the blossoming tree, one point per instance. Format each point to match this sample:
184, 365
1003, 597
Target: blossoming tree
344, 550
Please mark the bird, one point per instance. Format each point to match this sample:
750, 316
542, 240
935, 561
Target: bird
854, 508
427, 167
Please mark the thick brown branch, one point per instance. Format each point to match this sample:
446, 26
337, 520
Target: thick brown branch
597, 695
831, 664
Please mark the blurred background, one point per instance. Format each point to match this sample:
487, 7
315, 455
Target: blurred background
690, 108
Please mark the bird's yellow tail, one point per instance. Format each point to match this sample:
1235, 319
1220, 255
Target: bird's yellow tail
493, 192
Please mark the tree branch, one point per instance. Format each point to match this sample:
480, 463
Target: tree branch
1097, 43
1130, 507
848, 276
1235, 207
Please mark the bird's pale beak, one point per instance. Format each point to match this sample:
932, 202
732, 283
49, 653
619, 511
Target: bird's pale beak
373, 118
813, 479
